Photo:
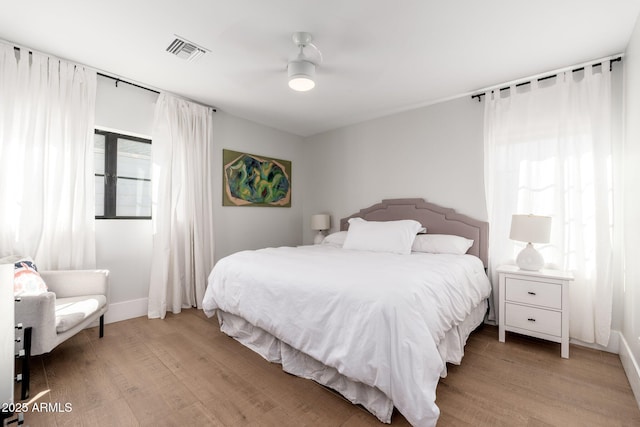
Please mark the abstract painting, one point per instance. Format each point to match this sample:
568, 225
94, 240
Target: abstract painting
251, 180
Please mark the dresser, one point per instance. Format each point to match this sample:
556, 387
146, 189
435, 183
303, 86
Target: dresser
8, 407
7, 343
535, 303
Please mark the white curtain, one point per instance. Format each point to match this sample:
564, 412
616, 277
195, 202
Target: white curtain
182, 205
47, 194
549, 151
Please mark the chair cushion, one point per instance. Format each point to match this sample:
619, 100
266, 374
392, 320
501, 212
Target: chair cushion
73, 310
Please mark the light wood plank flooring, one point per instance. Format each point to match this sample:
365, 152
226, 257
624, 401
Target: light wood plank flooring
182, 371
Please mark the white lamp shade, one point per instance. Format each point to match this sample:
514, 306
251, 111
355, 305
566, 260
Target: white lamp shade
530, 228
301, 75
320, 222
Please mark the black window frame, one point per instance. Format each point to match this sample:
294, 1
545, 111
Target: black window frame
110, 175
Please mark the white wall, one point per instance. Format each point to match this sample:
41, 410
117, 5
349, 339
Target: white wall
124, 246
435, 152
245, 227
124, 107
630, 346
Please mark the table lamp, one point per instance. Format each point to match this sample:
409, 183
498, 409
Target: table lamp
321, 223
530, 229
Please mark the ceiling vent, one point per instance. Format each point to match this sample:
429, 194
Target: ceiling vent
184, 49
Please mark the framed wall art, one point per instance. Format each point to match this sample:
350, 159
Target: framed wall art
252, 180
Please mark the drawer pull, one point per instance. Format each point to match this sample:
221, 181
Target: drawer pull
531, 319
531, 293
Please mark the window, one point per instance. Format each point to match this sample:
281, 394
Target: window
123, 176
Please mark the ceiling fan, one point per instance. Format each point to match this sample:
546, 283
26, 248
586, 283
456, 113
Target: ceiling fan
302, 69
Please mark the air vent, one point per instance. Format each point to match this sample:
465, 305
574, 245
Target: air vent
185, 49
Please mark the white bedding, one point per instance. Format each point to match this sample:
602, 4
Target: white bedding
377, 318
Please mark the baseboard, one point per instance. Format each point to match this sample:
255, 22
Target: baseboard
126, 310
612, 347
630, 365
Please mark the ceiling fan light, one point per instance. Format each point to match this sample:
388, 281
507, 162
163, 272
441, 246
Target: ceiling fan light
301, 84
301, 75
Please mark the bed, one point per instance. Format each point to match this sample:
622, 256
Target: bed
377, 327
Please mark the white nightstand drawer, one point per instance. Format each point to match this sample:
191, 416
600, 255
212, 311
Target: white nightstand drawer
532, 292
534, 319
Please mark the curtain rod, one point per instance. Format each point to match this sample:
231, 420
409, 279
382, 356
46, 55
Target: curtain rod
117, 79
611, 60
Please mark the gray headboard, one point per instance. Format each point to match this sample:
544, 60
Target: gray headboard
437, 219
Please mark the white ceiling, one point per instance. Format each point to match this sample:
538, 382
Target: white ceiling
380, 56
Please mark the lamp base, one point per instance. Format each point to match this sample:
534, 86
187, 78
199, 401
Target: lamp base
530, 259
318, 238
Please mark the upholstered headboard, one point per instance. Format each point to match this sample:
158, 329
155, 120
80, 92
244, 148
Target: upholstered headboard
436, 219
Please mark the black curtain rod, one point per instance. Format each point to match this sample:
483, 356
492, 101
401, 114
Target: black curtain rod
119, 80
110, 77
16, 48
611, 61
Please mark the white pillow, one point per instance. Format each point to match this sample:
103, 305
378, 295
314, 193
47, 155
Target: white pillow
381, 236
335, 238
441, 244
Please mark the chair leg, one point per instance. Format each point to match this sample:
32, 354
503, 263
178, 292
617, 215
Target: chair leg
26, 364
101, 326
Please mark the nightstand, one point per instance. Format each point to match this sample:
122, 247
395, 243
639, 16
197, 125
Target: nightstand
535, 303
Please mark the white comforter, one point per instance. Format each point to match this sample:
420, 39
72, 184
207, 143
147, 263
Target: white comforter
375, 317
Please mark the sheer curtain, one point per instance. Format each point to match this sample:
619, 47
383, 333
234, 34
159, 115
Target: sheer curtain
548, 151
47, 195
182, 205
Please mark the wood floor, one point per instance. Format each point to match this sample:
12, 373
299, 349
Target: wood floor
182, 371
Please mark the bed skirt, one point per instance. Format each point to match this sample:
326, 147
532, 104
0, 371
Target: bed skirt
300, 364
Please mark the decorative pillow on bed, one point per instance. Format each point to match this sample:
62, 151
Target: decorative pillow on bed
382, 236
441, 244
336, 239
